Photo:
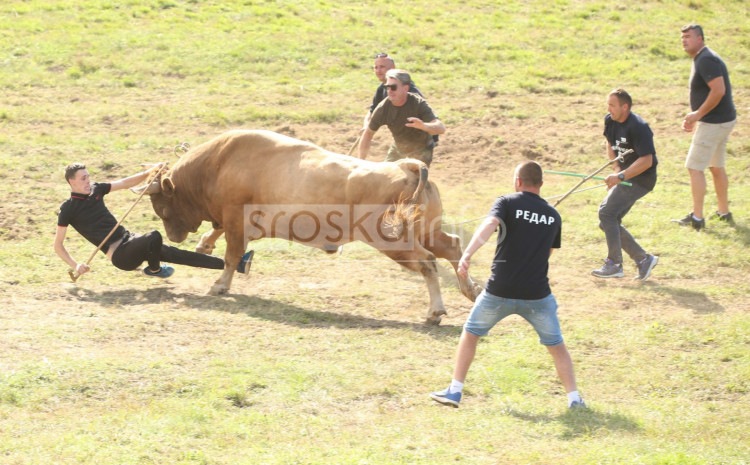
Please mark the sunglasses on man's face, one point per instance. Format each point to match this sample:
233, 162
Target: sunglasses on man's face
392, 87
381, 55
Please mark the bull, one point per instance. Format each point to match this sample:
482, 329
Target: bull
242, 180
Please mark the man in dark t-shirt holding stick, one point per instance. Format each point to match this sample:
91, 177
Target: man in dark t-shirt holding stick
86, 212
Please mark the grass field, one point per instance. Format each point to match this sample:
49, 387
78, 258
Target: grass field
317, 359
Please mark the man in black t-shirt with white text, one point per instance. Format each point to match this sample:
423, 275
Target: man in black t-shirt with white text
528, 230
630, 139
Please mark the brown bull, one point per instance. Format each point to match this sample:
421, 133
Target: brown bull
252, 184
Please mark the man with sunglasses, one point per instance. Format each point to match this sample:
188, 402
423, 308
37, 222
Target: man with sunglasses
409, 118
383, 64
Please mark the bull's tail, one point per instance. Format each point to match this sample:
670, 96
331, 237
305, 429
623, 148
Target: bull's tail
419, 168
406, 211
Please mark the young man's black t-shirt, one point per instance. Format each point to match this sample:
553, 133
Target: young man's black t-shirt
529, 229
90, 217
634, 134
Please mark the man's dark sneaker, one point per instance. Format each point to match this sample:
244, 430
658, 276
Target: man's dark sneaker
645, 266
684, 221
725, 217
164, 272
690, 220
610, 269
245, 262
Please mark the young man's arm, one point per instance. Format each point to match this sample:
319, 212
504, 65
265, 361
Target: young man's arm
611, 155
480, 237
134, 180
62, 252
639, 166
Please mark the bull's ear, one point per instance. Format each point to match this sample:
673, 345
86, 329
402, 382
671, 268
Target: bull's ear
153, 188
167, 187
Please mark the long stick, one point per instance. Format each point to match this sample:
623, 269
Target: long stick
620, 158
579, 175
575, 192
354, 146
73, 275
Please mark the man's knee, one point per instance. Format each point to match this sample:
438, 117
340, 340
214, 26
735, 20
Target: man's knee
606, 216
155, 241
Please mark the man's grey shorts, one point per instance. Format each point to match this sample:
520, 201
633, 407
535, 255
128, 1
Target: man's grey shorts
709, 146
488, 310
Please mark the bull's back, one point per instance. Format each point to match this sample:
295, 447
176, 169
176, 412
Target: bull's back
239, 148
260, 166
237, 164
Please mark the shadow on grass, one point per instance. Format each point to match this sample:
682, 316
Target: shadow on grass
733, 231
257, 307
698, 302
583, 422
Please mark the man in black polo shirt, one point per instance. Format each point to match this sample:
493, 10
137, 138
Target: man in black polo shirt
383, 64
86, 212
711, 119
528, 230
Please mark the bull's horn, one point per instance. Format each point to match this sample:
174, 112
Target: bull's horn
153, 188
183, 147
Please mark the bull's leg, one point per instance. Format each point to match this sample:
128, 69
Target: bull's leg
448, 246
236, 243
422, 261
208, 241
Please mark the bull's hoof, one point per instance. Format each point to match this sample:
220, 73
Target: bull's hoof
204, 249
477, 290
330, 248
435, 318
218, 289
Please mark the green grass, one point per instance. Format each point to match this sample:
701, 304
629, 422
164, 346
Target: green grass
321, 359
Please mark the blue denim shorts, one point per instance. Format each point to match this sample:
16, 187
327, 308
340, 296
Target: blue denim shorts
542, 314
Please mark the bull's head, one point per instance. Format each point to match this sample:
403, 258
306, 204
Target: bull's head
176, 222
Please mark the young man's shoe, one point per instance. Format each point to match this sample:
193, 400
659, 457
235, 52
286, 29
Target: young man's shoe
446, 397
691, 220
610, 269
727, 217
578, 404
164, 272
645, 266
245, 262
